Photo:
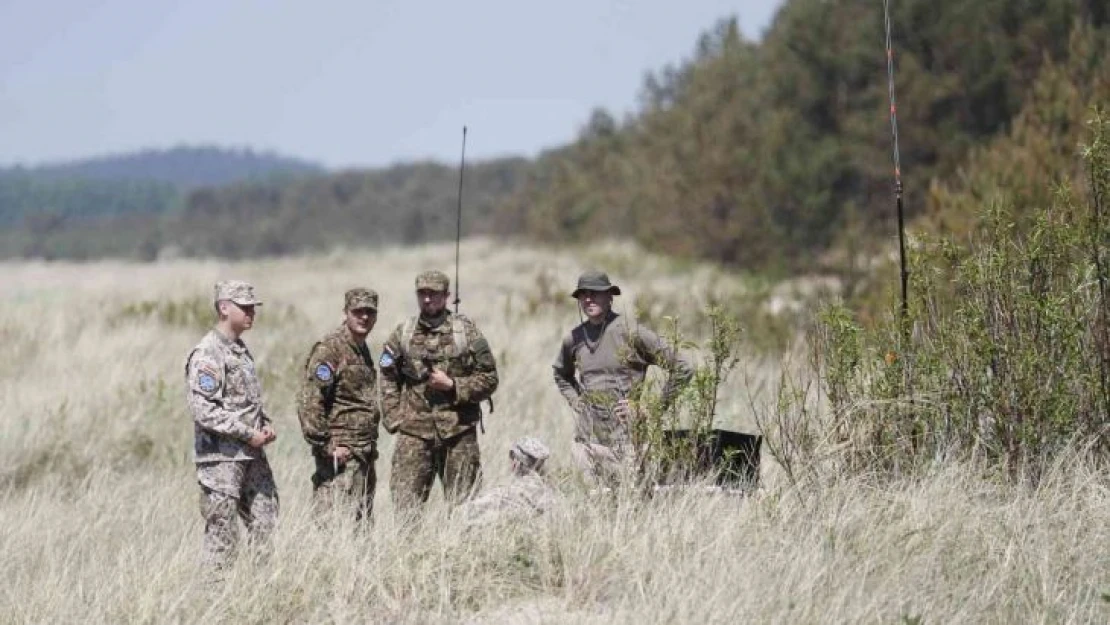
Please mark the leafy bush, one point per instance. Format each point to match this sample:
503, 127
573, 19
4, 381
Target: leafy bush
1004, 356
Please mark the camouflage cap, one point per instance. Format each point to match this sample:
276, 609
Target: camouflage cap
236, 291
595, 281
360, 298
435, 280
531, 451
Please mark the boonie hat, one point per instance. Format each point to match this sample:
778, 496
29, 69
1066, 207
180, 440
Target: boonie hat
595, 281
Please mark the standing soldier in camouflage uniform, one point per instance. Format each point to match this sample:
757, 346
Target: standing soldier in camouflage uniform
230, 428
610, 356
436, 369
338, 408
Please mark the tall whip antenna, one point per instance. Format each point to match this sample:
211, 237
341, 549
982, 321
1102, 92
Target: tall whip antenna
897, 169
458, 220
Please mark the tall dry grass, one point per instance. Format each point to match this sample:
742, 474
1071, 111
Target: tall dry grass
99, 504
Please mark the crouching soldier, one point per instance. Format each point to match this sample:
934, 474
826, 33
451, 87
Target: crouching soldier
528, 494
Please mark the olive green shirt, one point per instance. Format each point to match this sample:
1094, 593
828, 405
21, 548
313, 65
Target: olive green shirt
598, 365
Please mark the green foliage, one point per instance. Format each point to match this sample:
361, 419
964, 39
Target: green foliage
1008, 361
772, 155
181, 167
763, 154
404, 204
42, 205
1039, 150
692, 408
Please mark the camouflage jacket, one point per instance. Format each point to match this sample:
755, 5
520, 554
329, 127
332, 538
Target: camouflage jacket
413, 407
598, 366
338, 404
524, 496
225, 399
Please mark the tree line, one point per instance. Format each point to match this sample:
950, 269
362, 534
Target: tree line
769, 154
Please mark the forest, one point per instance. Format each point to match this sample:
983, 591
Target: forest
769, 155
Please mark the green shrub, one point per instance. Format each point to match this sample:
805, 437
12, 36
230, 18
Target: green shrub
1008, 358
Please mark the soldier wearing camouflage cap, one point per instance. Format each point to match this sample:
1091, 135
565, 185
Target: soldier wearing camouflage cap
436, 370
600, 369
527, 493
528, 455
338, 408
230, 428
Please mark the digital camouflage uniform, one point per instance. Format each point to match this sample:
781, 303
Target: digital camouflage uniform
435, 429
523, 497
338, 407
599, 365
225, 399
526, 495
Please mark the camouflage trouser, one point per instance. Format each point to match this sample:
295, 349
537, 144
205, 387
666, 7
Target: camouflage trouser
353, 486
228, 489
417, 462
603, 465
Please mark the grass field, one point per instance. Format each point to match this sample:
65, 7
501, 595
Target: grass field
98, 500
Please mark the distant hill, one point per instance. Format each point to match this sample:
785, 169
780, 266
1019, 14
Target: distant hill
146, 182
182, 166
770, 155
404, 203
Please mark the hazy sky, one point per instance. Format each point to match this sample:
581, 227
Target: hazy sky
343, 83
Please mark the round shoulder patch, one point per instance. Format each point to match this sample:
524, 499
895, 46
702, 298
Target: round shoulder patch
324, 372
386, 360
206, 382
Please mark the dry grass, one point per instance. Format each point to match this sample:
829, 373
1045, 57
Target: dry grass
99, 505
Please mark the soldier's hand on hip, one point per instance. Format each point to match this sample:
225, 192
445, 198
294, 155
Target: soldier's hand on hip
440, 381
258, 439
341, 454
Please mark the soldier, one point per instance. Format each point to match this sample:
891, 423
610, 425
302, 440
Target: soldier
230, 428
528, 494
436, 369
601, 363
338, 408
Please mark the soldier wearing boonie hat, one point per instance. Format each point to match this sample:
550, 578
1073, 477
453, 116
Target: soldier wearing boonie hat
230, 427
596, 282
436, 368
338, 409
600, 369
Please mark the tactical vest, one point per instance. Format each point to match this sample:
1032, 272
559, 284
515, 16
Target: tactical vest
460, 347
458, 334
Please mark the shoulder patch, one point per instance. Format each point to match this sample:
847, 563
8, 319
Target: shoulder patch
206, 382
324, 372
386, 360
